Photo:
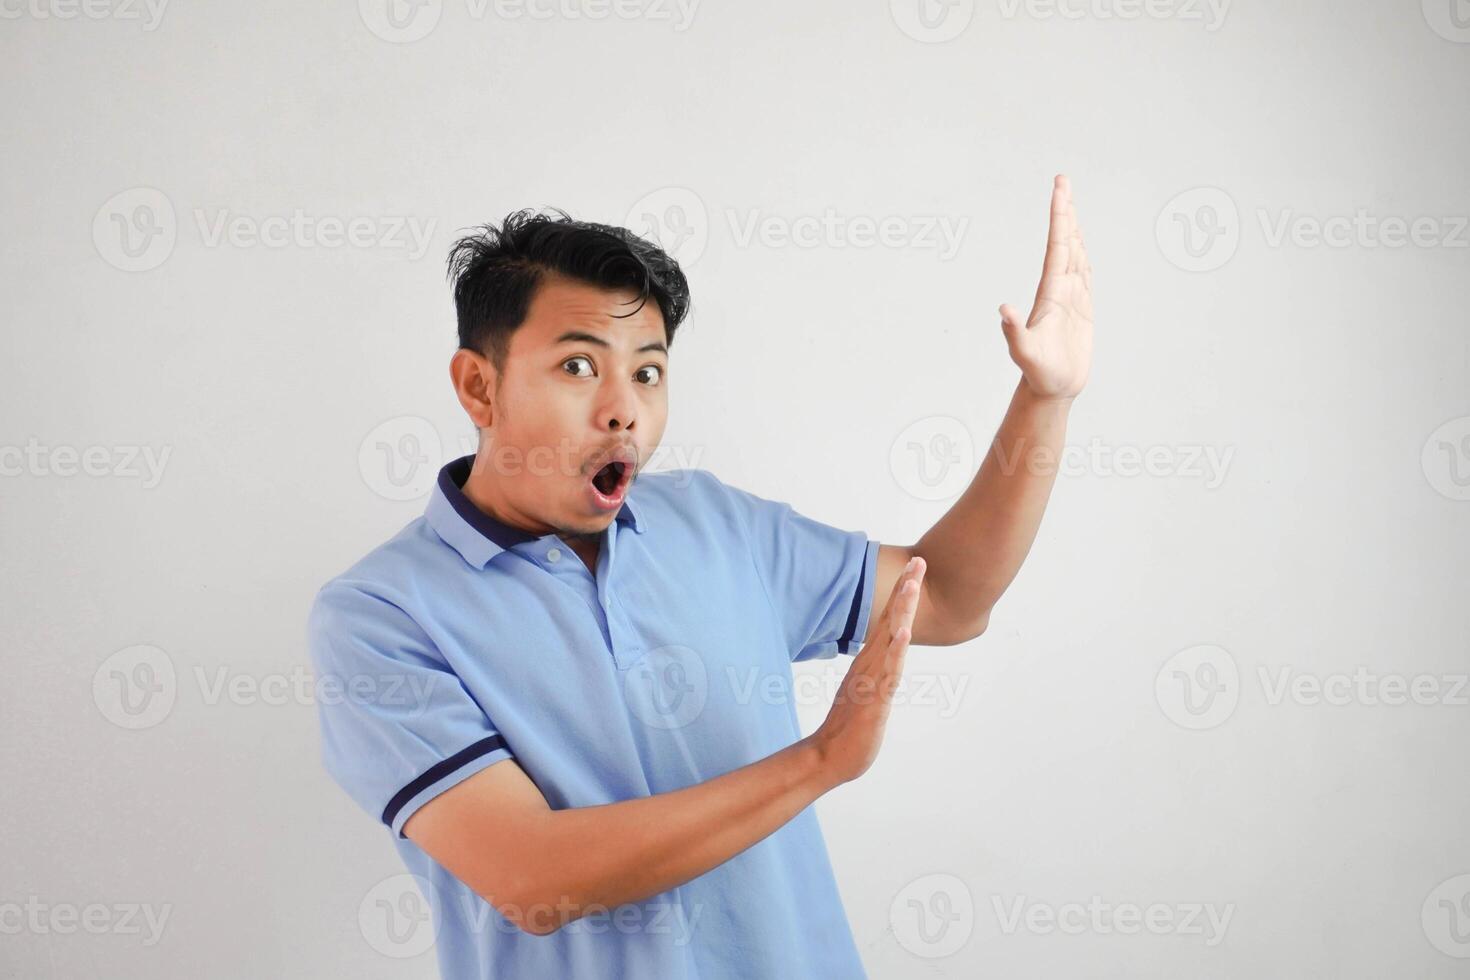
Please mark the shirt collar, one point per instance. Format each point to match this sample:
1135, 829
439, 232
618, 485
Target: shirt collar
476, 535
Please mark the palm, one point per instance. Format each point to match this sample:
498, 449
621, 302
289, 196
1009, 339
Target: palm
1053, 348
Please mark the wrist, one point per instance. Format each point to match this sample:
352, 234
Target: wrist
1029, 396
814, 763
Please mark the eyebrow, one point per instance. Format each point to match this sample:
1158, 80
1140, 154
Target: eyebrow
574, 336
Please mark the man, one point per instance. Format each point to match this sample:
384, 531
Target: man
564, 668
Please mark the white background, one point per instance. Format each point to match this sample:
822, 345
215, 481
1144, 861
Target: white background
1078, 763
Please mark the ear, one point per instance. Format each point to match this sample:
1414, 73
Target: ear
475, 380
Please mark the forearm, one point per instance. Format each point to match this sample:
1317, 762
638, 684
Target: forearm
589, 858
975, 550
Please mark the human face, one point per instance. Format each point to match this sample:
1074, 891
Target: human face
579, 408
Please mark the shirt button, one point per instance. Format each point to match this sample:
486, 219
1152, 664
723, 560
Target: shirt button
554, 554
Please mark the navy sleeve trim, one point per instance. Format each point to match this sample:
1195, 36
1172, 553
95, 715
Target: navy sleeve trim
437, 772
857, 601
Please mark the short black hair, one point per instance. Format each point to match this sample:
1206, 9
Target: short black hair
496, 270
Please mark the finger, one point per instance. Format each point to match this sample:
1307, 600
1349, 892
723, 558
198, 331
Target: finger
908, 598
900, 649
1083, 263
905, 600
898, 653
888, 669
891, 605
875, 651
1074, 227
903, 603
1059, 230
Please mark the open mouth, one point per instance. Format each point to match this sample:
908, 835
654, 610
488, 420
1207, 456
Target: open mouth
610, 479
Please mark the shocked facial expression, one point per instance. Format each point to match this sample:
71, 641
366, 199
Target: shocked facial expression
579, 408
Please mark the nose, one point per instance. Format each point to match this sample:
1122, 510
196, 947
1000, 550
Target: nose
618, 409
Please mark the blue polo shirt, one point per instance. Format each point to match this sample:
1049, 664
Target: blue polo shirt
461, 642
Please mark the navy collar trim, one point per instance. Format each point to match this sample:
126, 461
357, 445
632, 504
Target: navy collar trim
451, 482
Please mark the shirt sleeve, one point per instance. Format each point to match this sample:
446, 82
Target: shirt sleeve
398, 726
820, 578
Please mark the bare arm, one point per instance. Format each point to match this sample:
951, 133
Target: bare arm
977, 547
542, 868
975, 550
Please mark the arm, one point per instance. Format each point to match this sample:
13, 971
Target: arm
975, 550
542, 868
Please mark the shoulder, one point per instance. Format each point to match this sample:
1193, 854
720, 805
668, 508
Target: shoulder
702, 506
665, 487
694, 486
383, 585
695, 495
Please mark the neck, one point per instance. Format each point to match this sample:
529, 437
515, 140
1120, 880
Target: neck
482, 490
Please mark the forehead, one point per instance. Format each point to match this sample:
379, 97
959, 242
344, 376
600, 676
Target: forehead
561, 305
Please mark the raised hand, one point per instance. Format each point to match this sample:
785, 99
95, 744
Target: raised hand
1053, 346
849, 738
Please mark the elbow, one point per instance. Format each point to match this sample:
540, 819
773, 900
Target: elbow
533, 918
981, 625
535, 895
949, 623
528, 918
966, 631
537, 925
534, 913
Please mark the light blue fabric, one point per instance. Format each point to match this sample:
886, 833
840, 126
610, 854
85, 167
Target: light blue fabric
461, 642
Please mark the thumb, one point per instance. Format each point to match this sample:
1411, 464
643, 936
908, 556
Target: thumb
1013, 325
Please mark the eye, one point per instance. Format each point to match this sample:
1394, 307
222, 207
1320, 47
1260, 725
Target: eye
642, 373
573, 360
